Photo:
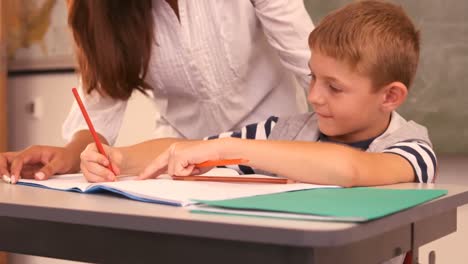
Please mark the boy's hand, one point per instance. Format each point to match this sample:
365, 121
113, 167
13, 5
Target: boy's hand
37, 162
181, 158
94, 164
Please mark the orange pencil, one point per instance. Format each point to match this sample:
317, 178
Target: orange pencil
91, 127
214, 163
241, 179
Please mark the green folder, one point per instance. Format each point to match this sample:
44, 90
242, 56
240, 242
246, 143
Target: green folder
328, 204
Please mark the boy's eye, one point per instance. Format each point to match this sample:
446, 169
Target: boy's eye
334, 89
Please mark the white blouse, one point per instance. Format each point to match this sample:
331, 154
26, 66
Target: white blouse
224, 64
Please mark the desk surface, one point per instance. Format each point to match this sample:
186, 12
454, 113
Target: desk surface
102, 210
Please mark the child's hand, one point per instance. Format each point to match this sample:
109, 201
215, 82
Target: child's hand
94, 164
181, 158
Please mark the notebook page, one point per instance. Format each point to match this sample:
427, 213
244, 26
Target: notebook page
185, 192
77, 182
66, 182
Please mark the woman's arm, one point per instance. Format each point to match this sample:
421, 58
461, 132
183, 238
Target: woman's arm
106, 113
287, 26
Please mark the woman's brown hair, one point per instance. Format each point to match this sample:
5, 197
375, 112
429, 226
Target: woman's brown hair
113, 40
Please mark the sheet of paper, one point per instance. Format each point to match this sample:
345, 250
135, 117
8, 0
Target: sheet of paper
185, 192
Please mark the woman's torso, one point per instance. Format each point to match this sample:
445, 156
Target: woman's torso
214, 70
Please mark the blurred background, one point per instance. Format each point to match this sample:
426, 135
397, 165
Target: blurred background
37, 74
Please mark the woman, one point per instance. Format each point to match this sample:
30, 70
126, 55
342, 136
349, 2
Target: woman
211, 65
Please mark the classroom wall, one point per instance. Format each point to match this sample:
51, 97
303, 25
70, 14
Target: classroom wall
439, 96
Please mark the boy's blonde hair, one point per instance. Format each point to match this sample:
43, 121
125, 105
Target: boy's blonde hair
375, 38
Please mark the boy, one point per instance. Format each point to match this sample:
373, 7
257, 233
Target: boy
364, 58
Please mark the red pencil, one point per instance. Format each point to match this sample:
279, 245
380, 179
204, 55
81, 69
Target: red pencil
91, 127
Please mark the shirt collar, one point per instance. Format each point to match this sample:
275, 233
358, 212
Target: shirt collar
395, 122
363, 144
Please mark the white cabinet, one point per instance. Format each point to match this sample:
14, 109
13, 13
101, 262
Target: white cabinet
38, 104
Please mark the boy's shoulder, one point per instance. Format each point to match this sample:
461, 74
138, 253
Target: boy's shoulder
296, 127
400, 130
304, 127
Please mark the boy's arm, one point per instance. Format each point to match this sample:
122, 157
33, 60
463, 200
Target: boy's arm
134, 159
320, 163
137, 157
125, 160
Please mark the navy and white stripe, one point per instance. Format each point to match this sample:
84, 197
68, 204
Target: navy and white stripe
258, 131
421, 157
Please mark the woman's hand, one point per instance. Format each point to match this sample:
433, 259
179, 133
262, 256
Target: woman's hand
94, 165
181, 158
38, 162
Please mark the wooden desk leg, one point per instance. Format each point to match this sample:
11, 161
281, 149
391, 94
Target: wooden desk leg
440, 225
415, 256
3, 258
408, 258
3, 77
414, 253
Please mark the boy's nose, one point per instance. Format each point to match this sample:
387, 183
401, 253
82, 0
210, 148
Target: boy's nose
314, 97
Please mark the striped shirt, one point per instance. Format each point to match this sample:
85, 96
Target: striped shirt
420, 155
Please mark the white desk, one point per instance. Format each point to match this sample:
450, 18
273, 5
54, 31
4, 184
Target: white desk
106, 229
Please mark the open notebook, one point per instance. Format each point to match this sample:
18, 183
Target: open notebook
164, 190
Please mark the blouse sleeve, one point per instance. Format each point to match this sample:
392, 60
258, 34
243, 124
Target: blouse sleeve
287, 26
106, 114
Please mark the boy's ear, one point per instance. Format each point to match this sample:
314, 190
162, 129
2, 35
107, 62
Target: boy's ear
394, 94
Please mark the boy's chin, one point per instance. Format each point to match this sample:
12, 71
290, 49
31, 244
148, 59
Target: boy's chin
333, 132
330, 132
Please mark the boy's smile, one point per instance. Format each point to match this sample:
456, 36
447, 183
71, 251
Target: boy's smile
348, 107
